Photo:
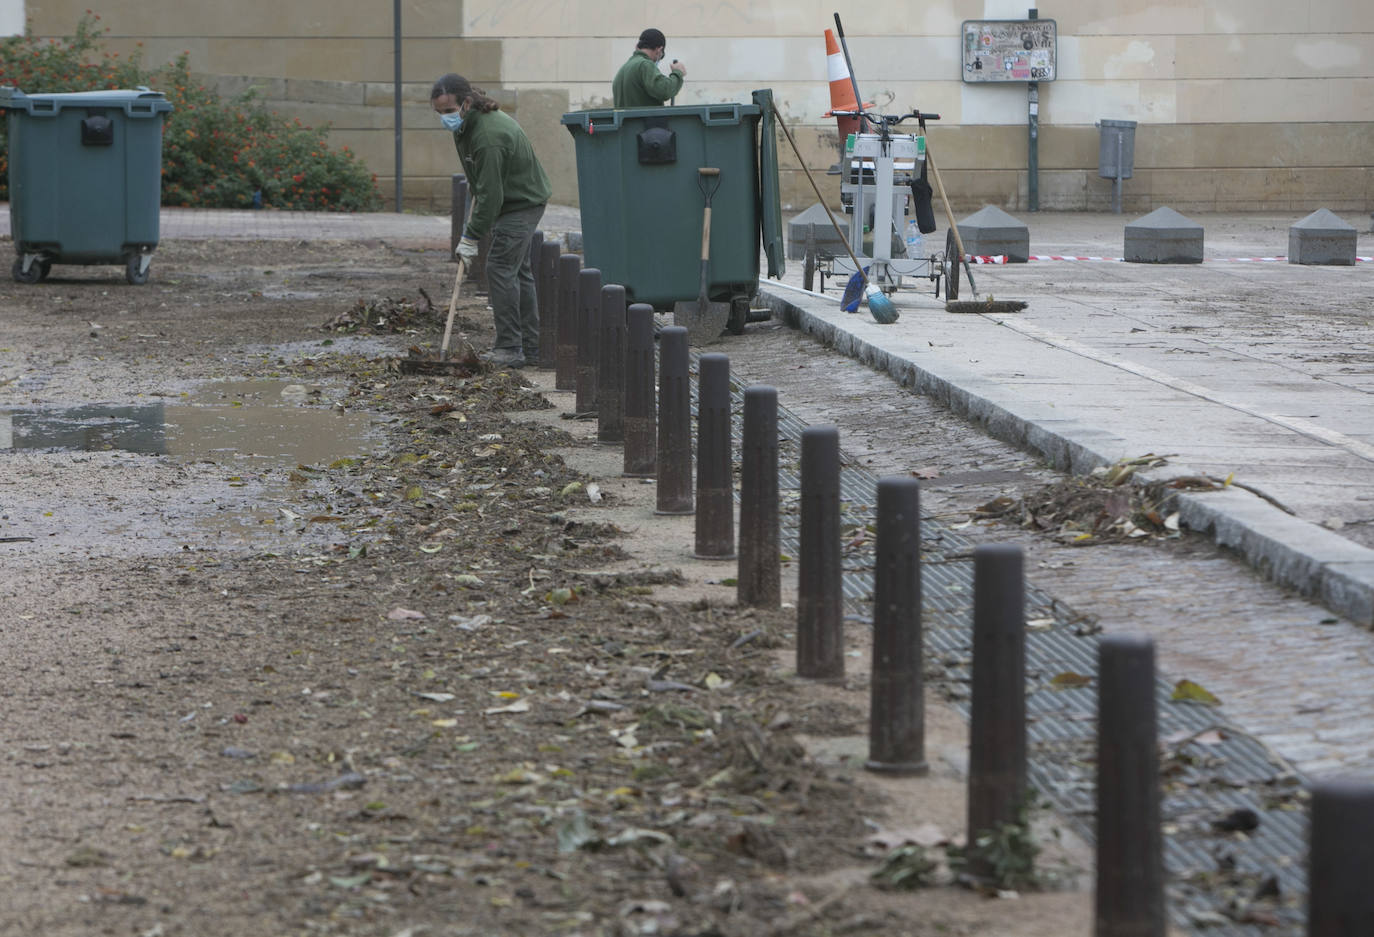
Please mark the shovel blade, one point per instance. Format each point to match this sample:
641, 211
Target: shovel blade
704, 321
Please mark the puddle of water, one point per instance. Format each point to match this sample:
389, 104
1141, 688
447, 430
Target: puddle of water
88, 428
267, 423
239, 442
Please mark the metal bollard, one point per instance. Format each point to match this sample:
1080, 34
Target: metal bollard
565, 352
896, 712
641, 420
588, 337
534, 255
715, 528
1130, 866
1339, 900
459, 198
536, 244
610, 366
547, 292
674, 457
997, 725
820, 617
759, 580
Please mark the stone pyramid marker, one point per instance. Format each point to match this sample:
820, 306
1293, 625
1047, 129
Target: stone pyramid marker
991, 231
1322, 238
1163, 237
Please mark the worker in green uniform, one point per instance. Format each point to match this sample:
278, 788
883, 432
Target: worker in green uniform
639, 83
509, 190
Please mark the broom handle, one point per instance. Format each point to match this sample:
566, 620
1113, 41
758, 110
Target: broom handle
821, 198
853, 82
944, 199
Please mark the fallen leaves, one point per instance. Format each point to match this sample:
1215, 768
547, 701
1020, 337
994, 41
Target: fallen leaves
1186, 691
1069, 680
1106, 506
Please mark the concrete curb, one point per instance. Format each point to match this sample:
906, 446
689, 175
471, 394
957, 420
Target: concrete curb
1288, 550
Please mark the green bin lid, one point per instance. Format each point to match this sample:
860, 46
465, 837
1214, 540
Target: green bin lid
606, 119
139, 102
770, 197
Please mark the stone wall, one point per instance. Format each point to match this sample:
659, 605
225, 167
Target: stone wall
1241, 104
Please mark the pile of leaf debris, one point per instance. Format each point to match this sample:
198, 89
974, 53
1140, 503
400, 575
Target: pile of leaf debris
1109, 505
387, 315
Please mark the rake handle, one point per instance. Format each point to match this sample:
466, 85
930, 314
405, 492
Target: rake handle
821, 198
949, 214
452, 310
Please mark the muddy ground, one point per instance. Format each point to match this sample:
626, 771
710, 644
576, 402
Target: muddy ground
298, 643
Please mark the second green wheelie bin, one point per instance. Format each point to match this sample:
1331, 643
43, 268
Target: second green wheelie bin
85, 177
642, 204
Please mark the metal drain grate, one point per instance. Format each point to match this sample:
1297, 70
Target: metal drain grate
1206, 782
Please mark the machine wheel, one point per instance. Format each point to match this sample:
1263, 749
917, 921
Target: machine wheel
35, 272
951, 268
739, 315
134, 271
809, 270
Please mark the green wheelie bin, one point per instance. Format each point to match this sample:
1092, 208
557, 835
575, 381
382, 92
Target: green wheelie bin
85, 177
642, 199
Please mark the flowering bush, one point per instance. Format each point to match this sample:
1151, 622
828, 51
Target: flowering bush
215, 153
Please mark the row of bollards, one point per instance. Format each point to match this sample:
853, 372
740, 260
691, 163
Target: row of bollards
604, 352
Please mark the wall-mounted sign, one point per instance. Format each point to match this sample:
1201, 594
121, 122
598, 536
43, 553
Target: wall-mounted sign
1008, 50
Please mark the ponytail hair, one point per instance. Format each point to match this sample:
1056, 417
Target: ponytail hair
462, 90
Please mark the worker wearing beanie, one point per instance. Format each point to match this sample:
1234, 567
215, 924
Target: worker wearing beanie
639, 83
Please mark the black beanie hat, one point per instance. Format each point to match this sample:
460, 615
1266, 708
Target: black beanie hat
651, 39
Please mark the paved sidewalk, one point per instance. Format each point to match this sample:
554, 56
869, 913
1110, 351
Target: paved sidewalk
1258, 372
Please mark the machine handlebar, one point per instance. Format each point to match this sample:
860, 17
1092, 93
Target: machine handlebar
886, 120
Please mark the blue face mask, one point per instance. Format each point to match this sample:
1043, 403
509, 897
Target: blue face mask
452, 120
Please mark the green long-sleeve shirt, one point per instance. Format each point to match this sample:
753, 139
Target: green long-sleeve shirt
502, 171
639, 83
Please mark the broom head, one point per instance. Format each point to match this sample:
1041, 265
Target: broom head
880, 307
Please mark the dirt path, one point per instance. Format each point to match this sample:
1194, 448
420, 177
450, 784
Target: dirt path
300, 644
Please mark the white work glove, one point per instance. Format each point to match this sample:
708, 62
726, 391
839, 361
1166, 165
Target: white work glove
466, 251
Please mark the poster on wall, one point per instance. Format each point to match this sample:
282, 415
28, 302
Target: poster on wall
1008, 50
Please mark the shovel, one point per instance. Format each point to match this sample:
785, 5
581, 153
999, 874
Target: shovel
704, 319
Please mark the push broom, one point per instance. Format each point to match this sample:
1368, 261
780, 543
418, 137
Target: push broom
884, 313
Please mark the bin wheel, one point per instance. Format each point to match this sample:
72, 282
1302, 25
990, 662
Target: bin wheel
38, 270
809, 270
951, 268
135, 271
739, 315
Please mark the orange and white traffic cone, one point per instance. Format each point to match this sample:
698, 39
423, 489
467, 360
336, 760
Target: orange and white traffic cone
841, 89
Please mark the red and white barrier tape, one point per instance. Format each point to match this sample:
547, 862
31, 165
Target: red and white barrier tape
1002, 258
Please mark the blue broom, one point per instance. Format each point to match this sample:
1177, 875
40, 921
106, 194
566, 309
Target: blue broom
881, 308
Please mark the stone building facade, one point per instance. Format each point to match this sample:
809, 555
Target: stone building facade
1240, 104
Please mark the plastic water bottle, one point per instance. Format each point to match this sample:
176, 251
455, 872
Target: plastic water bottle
913, 241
